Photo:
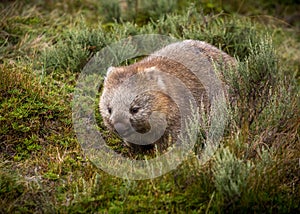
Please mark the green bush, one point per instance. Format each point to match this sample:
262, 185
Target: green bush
74, 50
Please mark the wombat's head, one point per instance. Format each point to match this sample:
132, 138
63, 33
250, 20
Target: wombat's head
134, 105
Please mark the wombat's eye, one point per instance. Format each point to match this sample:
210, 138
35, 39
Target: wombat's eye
109, 110
134, 110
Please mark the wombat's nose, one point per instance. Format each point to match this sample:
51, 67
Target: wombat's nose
122, 129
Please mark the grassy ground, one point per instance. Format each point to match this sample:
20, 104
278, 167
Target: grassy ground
44, 46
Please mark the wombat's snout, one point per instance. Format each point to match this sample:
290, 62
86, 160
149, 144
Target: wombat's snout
123, 129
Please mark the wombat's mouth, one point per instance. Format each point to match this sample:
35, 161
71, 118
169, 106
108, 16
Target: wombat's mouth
125, 130
138, 134
129, 133
132, 137
125, 135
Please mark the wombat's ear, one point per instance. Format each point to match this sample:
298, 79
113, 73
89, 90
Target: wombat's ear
109, 70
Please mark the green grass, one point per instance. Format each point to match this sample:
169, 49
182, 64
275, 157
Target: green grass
44, 46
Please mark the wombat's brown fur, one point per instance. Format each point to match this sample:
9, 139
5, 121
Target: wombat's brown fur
126, 106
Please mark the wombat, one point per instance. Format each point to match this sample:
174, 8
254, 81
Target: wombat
145, 102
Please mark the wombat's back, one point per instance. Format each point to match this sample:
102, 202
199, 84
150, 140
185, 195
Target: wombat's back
195, 64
